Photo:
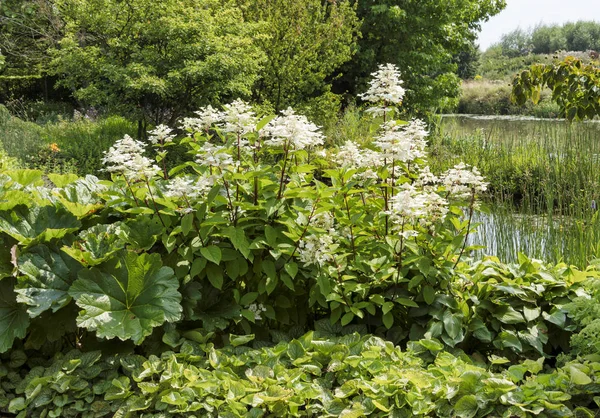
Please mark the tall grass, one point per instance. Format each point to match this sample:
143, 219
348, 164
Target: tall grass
548, 172
79, 144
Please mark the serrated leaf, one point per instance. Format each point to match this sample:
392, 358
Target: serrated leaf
46, 278
127, 297
37, 224
212, 253
237, 236
14, 320
97, 244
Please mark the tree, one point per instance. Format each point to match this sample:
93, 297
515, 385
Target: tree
516, 43
467, 61
575, 87
154, 61
421, 38
304, 41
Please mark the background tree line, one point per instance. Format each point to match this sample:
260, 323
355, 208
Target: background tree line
155, 62
547, 39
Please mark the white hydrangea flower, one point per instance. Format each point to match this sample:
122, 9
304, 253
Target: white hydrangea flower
239, 118
316, 249
292, 128
214, 156
461, 181
161, 134
257, 310
207, 117
402, 142
386, 86
413, 205
126, 157
351, 155
427, 180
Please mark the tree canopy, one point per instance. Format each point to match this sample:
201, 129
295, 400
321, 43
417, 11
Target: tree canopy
421, 38
154, 61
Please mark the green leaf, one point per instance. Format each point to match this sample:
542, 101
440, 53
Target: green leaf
127, 297
531, 314
14, 320
578, 377
291, 269
237, 236
97, 244
47, 277
61, 180
214, 273
212, 253
407, 302
428, 294
388, 320
236, 340
141, 232
26, 177
347, 318
37, 224
508, 315
452, 324
466, 407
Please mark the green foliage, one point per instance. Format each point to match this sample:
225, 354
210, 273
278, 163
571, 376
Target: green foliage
575, 87
311, 376
304, 43
421, 38
152, 61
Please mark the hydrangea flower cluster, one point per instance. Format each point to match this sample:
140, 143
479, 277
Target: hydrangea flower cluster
207, 118
462, 182
126, 158
162, 134
295, 130
239, 118
385, 89
402, 142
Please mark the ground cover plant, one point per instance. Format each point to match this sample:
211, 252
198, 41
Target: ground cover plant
267, 276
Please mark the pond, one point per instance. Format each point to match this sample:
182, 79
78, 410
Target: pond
544, 179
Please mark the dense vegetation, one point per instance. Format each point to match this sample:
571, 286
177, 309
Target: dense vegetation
233, 261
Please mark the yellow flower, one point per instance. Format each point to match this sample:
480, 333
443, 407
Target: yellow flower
54, 147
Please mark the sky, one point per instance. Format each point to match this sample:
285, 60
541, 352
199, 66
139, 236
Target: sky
528, 13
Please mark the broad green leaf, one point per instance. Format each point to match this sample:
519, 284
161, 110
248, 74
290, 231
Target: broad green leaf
141, 232
578, 377
388, 320
452, 323
291, 268
214, 273
81, 197
61, 180
97, 244
37, 224
466, 407
13, 316
212, 253
237, 236
26, 177
127, 297
236, 340
508, 315
46, 278
531, 313
428, 294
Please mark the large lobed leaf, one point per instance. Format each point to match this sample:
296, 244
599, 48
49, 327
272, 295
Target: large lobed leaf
46, 276
13, 317
127, 297
37, 224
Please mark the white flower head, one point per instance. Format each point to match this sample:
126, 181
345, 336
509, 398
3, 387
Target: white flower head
414, 205
461, 181
294, 129
126, 157
239, 118
402, 142
257, 310
207, 118
214, 156
161, 134
386, 86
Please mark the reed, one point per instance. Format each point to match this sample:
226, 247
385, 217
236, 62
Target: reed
544, 183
